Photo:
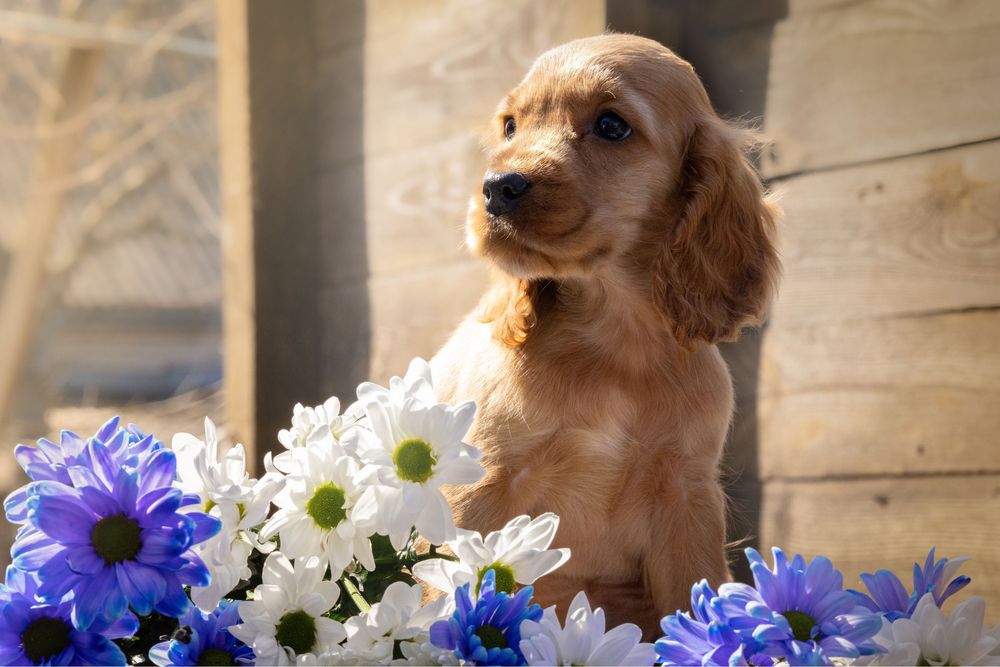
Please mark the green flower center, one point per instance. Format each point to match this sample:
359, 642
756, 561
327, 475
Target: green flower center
326, 507
297, 631
45, 638
215, 656
504, 577
492, 637
414, 460
801, 624
116, 538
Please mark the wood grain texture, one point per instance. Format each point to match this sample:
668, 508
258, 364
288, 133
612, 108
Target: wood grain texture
881, 396
914, 235
435, 69
414, 203
864, 525
880, 79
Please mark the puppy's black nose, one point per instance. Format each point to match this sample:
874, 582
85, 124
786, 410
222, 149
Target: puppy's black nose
501, 192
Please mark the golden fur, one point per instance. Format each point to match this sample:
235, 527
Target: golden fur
601, 395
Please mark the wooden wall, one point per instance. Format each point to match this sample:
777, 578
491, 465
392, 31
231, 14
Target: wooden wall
347, 175
880, 388
431, 77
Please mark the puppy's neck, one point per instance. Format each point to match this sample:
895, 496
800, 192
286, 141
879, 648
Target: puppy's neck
606, 317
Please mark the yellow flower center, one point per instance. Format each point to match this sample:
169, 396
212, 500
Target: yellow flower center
504, 577
326, 507
414, 460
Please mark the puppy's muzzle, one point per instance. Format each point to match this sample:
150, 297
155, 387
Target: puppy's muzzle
503, 192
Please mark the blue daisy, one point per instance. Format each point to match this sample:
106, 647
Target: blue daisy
886, 593
487, 630
115, 539
799, 611
706, 638
48, 461
204, 639
40, 633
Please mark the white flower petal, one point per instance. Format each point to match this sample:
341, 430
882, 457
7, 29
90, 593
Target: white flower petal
528, 567
435, 521
442, 574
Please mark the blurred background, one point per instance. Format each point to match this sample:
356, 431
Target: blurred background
225, 208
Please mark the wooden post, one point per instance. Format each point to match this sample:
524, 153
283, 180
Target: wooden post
273, 253
23, 289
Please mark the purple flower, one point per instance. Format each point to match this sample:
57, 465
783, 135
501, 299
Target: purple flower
487, 630
706, 638
799, 612
204, 639
40, 633
48, 461
888, 595
115, 538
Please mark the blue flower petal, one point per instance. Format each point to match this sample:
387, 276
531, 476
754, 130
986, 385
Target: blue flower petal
143, 586
158, 469
107, 429
63, 518
175, 602
84, 560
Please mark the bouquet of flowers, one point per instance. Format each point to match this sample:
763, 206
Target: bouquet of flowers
345, 552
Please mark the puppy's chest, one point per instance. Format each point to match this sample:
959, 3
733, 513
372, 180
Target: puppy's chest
579, 450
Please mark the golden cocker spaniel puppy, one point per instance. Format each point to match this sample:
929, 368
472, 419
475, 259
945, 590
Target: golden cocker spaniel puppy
629, 233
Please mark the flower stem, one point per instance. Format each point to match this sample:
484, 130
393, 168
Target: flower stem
359, 600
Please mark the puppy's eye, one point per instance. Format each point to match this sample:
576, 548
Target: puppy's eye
509, 127
612, 127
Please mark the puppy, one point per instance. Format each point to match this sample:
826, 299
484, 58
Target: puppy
629, 233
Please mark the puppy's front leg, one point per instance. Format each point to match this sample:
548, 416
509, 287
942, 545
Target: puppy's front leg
487, 505
687, 545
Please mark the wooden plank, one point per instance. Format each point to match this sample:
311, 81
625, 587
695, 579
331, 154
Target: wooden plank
414, 202
460, 59
881, 79
912, 235
834, 432
881, 396
864, 525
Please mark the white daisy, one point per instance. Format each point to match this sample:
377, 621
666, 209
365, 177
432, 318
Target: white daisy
313, 425
583, 641
929, 637
284, 621
416, 384
316, 515
411, 450
517, 553
228, 493
378, 635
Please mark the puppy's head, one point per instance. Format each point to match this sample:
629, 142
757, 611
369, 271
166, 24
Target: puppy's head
608, 158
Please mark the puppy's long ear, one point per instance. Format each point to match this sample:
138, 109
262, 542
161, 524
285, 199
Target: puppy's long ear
719, 266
